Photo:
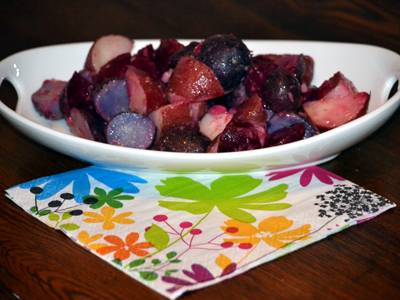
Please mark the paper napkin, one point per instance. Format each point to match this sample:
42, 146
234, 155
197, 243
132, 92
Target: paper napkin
181, 232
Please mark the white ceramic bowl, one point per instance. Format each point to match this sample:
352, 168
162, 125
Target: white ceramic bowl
372, 69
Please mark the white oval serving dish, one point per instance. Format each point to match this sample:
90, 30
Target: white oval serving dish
372, 69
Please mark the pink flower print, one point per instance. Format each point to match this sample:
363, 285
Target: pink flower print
322, 175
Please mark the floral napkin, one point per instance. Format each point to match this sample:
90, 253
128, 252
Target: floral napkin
181, 232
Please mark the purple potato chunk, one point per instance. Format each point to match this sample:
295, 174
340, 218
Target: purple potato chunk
283, 120
131, 130
286, 135
111, 99
182, 139
228, 57
281, 91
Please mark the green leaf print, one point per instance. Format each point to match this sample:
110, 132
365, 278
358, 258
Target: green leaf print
157, 237
112, 198
149, 276
66, 216
171, 255
44, 212
70, 226
169, 272
136, 263
117, 262
54, 217
225, 193
156, 262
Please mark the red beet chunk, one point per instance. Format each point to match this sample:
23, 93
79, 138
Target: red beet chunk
239, 138
286, 135
46, 99
302, 66
251, 111
147, 52
256, 76
78, 94
193, 81
145, 93
164, 52
87, 125
186, 51
115, 68
147, 65
246, 131
309, 93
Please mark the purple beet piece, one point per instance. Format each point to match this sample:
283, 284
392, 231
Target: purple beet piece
186, 51
131, 130
46, 99
256, 76
78, 94
283, 120
115, 68
164, 52
301, 66
147, 65
182, 139
239, 138
286, 135
147, 52
247, 130
309, 93
87, 124
111, 98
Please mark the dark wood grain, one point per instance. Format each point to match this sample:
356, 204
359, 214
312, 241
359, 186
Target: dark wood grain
37, 262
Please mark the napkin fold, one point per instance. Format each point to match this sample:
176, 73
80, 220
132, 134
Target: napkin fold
181, 232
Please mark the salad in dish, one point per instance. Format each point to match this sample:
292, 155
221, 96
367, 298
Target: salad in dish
208, 96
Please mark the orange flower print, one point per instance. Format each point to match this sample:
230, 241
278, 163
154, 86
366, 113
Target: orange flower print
87, 240
107, 217
124, 249
273, 231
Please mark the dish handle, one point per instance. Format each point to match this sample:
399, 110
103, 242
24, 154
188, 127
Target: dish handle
9, 87
393, 86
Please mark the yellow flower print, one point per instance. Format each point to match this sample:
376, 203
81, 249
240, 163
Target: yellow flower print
106, 217
270, 230
85, 239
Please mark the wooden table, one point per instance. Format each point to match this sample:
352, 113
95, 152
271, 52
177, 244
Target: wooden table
37, 262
